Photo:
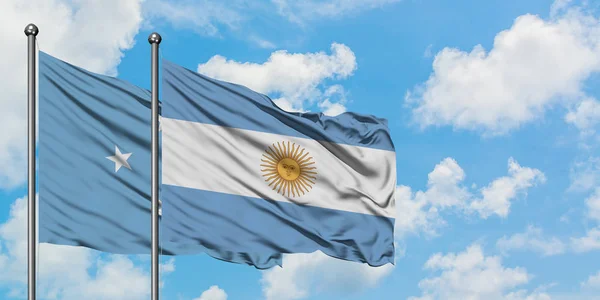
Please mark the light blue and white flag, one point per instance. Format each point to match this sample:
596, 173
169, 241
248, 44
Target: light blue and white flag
242, 176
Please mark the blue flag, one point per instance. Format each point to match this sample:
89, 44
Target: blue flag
239, 174
94, 165
94, 160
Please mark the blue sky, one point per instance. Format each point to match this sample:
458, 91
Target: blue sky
493, 108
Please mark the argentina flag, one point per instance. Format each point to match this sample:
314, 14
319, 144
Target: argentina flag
94, 165
240, 175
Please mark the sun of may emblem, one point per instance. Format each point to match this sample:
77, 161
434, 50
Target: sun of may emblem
289, 169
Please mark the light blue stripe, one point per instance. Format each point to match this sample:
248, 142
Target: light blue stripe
191, 96
198, 220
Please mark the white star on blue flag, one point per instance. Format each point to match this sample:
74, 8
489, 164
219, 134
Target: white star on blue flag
120, 159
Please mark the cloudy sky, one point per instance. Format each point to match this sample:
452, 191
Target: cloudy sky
493, 108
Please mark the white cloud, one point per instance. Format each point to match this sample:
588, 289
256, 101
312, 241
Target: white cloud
428, 51
68, 272
262, 43
472, 275
331, 109
415, 214
593, 282
532, 66
68, 30
593, 205
201, 16
313, 273
443, 185
589, 242
117, 278
532, 239
559, 6
335, 99
213, 293
420, 211
496, 196
525, 295
286, 105
585, 175
213, 17
301, 11
585, 116
168, 266
294, 78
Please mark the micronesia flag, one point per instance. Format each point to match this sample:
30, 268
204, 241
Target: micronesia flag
240, 175
94, 160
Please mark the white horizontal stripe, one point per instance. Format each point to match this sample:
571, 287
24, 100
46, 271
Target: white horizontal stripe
228, 160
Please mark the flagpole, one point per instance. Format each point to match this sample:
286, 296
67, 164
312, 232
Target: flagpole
31, 32
154, 39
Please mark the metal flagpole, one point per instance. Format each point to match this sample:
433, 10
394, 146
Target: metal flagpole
31, 32
154, 39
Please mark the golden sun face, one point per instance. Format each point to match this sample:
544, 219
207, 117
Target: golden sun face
288, 169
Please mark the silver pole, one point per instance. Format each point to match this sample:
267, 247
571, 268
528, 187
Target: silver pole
31, 32
154, 40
